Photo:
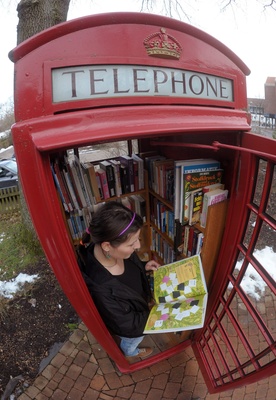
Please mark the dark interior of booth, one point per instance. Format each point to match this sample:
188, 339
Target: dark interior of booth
176, 146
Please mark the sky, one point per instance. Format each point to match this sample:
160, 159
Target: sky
245, 28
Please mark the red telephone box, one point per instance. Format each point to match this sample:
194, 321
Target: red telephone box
174, 89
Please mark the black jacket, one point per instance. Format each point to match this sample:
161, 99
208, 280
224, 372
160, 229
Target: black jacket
122, 309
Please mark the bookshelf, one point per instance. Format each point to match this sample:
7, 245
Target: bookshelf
78, 198
159, 234
158, 241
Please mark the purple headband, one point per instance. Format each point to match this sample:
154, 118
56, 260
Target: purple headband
87, 231
126, 228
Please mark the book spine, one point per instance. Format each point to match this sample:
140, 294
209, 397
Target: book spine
94, 183
136, 175
124, 179
102, 174
98, 178
57, 183
73, 196
195, 206
190, 241
186, 240
107, 167
140, 163
199, 242
128, 162
116, 169
82, 182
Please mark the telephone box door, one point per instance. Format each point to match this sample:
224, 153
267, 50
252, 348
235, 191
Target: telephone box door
237, 345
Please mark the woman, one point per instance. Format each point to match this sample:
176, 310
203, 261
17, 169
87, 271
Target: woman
115, 276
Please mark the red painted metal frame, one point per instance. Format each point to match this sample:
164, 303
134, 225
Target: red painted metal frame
252, 146
43, 128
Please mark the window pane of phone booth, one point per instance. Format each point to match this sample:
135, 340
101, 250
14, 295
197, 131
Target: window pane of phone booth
271, 204
261, 171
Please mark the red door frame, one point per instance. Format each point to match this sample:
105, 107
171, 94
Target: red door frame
222, 366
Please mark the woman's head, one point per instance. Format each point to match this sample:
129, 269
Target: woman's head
114, 223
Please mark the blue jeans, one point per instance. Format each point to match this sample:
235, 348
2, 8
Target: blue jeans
129, 345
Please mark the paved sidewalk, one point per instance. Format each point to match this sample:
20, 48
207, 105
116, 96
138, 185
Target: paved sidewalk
83, 371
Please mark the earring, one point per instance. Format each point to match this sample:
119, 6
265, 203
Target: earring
107, 255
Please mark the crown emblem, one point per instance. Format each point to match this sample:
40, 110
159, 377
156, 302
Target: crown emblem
161, 44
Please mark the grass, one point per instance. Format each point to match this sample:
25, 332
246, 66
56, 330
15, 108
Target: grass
18, 247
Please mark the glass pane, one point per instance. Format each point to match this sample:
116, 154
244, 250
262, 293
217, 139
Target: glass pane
224, 362
238, 266
249, 230
271, 206
102, 151
261, 297
260, 182
267, 238
267, 258
252, 332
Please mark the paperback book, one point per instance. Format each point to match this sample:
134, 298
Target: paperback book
183, 167
210, 198
194, 181
180, 295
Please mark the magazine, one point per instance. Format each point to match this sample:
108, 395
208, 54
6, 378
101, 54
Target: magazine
180, 295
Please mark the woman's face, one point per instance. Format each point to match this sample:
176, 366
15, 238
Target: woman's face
125, 249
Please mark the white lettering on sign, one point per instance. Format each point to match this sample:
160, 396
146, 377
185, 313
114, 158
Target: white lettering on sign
109, 81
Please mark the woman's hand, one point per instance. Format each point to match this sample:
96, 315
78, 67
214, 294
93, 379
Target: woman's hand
152, 265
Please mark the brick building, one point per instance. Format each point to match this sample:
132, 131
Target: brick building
265, 107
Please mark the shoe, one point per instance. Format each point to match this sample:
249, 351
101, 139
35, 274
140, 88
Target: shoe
145, 352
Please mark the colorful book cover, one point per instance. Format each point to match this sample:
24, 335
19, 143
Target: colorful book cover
181, 295
209, 198
194, 181
184, 167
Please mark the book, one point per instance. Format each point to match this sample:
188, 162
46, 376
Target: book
103, 178
199, 244
80, 182
142, 207
93, 181
140, 163
209, 198
116, 168
193, 181
180, 295
61, 187
127, 161
213, 187
70, 183
186, 240
195, 206
124, 179
182, 167
187, 166
136, 176
107, 167
161, 177
149, 164
88, 185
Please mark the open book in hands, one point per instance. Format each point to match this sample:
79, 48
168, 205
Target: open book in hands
180, 294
